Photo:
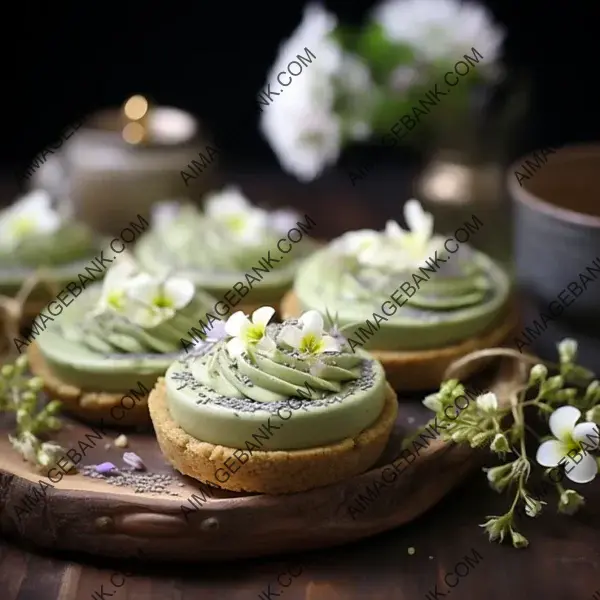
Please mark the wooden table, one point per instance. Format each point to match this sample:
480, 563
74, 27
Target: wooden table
562, 561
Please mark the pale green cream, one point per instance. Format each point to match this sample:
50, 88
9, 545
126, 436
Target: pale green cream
271, 401
461, 298
109, 353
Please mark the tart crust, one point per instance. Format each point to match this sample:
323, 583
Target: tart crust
91, 407
273, 471
418, 370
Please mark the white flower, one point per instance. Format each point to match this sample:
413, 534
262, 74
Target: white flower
165, 212
300, 123
284, 219
29, 216
249, 334
441, 31
311, 339
114, 285
151, 300
573, 442
416, 243
231, 209
487, 402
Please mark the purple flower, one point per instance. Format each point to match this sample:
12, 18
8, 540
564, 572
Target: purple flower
134, 461
213, 335
106, 467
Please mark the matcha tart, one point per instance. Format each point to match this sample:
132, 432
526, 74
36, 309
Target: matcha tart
241, 254
415, 300
273, 408
35, 236
103, 354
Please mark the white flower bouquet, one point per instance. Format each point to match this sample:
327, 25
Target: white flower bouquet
361, 81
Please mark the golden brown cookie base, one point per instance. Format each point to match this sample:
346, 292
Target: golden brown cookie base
91, 407
275, 471
416, 370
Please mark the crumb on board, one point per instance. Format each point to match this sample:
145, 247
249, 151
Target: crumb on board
411, 550
121, 441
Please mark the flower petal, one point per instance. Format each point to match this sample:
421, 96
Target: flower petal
393, 230
217, 332
330, 344
550, 453
291, 335
582, 472
235, 347
237, 323
266, 344
142, 289
312, 322
562, 421
262, 315
587, 433
417, 219
180, 290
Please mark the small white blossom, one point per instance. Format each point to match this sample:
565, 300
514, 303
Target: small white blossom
573, 441
29, 216
538, 373
246, 333
311, 339
152, 300
231, 209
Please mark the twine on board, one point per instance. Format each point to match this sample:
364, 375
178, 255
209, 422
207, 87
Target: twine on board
13, 309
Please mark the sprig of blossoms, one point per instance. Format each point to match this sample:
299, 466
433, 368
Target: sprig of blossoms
19, 394
559, 392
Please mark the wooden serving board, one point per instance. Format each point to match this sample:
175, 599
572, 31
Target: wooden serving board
89, 515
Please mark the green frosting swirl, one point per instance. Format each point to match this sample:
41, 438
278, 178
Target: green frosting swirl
107, 351
451, 297
224, 400
210, 255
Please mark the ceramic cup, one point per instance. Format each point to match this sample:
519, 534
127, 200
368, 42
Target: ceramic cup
556, 228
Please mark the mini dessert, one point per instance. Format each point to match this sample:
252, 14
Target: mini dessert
34, 236
273, 408
417, 301
102, 355
242, 255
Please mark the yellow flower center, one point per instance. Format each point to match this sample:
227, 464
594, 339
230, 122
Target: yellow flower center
311, 344
162, 301
116, 299
23, 226
254, 334
235, 222
571, 445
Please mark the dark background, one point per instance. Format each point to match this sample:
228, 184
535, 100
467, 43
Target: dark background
211, 58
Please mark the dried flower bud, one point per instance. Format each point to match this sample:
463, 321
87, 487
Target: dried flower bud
537, 374
533, 507
26, 445
7, 371
134, 461
570, 502
478, 439
433, 402
567, 350
553, 383
518, 540
21, 362
53, 406
500, 444
28, 396
35, 384
593, 415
